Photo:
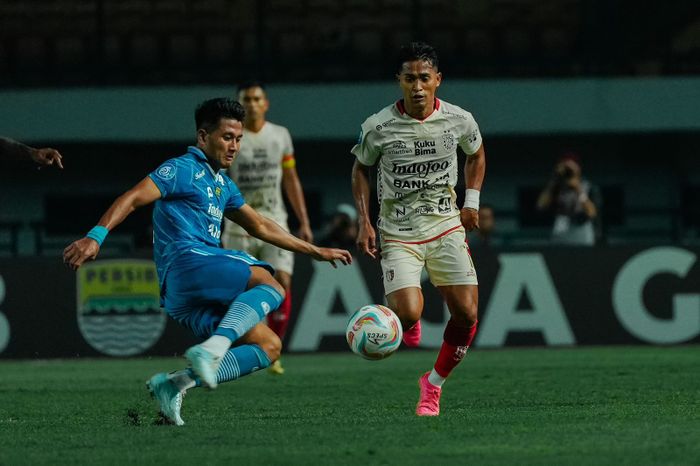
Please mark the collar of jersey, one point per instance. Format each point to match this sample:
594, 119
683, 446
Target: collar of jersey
402, 110
199, 154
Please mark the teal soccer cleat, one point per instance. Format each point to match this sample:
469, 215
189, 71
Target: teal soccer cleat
168, 396
204, 364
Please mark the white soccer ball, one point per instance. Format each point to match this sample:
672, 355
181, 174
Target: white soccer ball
374, 332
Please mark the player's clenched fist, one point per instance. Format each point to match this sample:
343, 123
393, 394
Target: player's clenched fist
469, 218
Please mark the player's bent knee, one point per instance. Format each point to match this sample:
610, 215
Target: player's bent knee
272, 346
261, 276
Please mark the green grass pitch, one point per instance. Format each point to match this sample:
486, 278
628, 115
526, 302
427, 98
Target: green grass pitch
607, 405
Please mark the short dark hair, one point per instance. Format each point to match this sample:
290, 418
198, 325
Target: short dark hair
417, 51
248, 84
210, 112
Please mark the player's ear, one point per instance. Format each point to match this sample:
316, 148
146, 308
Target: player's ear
439, 78
201, 136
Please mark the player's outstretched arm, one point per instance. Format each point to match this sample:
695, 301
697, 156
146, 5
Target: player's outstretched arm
366, 236
45, 156
87, 248
267, 230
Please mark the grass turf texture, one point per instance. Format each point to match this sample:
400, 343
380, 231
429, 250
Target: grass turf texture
613, 405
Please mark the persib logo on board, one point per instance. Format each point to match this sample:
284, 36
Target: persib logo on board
119, 306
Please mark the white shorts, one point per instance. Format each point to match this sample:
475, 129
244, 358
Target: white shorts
446, 259
281, 259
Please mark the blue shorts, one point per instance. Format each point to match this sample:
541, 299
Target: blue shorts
201, 284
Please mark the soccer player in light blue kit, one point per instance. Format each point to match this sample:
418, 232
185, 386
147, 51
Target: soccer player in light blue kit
221, 295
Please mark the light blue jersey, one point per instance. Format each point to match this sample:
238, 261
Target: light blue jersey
193, 200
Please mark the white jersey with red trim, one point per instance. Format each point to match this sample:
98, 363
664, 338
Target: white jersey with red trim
257, 172
417, 169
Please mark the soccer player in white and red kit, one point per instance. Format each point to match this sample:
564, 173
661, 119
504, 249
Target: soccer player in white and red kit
265, 166
414, 143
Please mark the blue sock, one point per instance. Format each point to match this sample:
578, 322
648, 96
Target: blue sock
240, 361
247, 310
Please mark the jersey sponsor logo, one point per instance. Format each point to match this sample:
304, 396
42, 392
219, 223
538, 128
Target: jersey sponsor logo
215, 212
166, 172
383, 125
412, 184
424, 147
219, 179
458, 115
422, 169
448, 141
263, 165
198, 176
444, 205
398, 148
118, 306
471, 139
425, 210
401, 215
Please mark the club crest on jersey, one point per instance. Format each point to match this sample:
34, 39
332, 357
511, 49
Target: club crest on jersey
448, 141
389, 275
166, 172
217, 191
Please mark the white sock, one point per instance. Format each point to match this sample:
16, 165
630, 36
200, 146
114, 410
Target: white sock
217, 345
182, 379
436, 379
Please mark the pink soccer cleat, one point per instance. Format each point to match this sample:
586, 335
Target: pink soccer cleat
429, 402
411, 337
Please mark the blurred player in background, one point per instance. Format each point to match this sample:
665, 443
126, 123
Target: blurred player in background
264, 167
45, 156
414, 143
220, 295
